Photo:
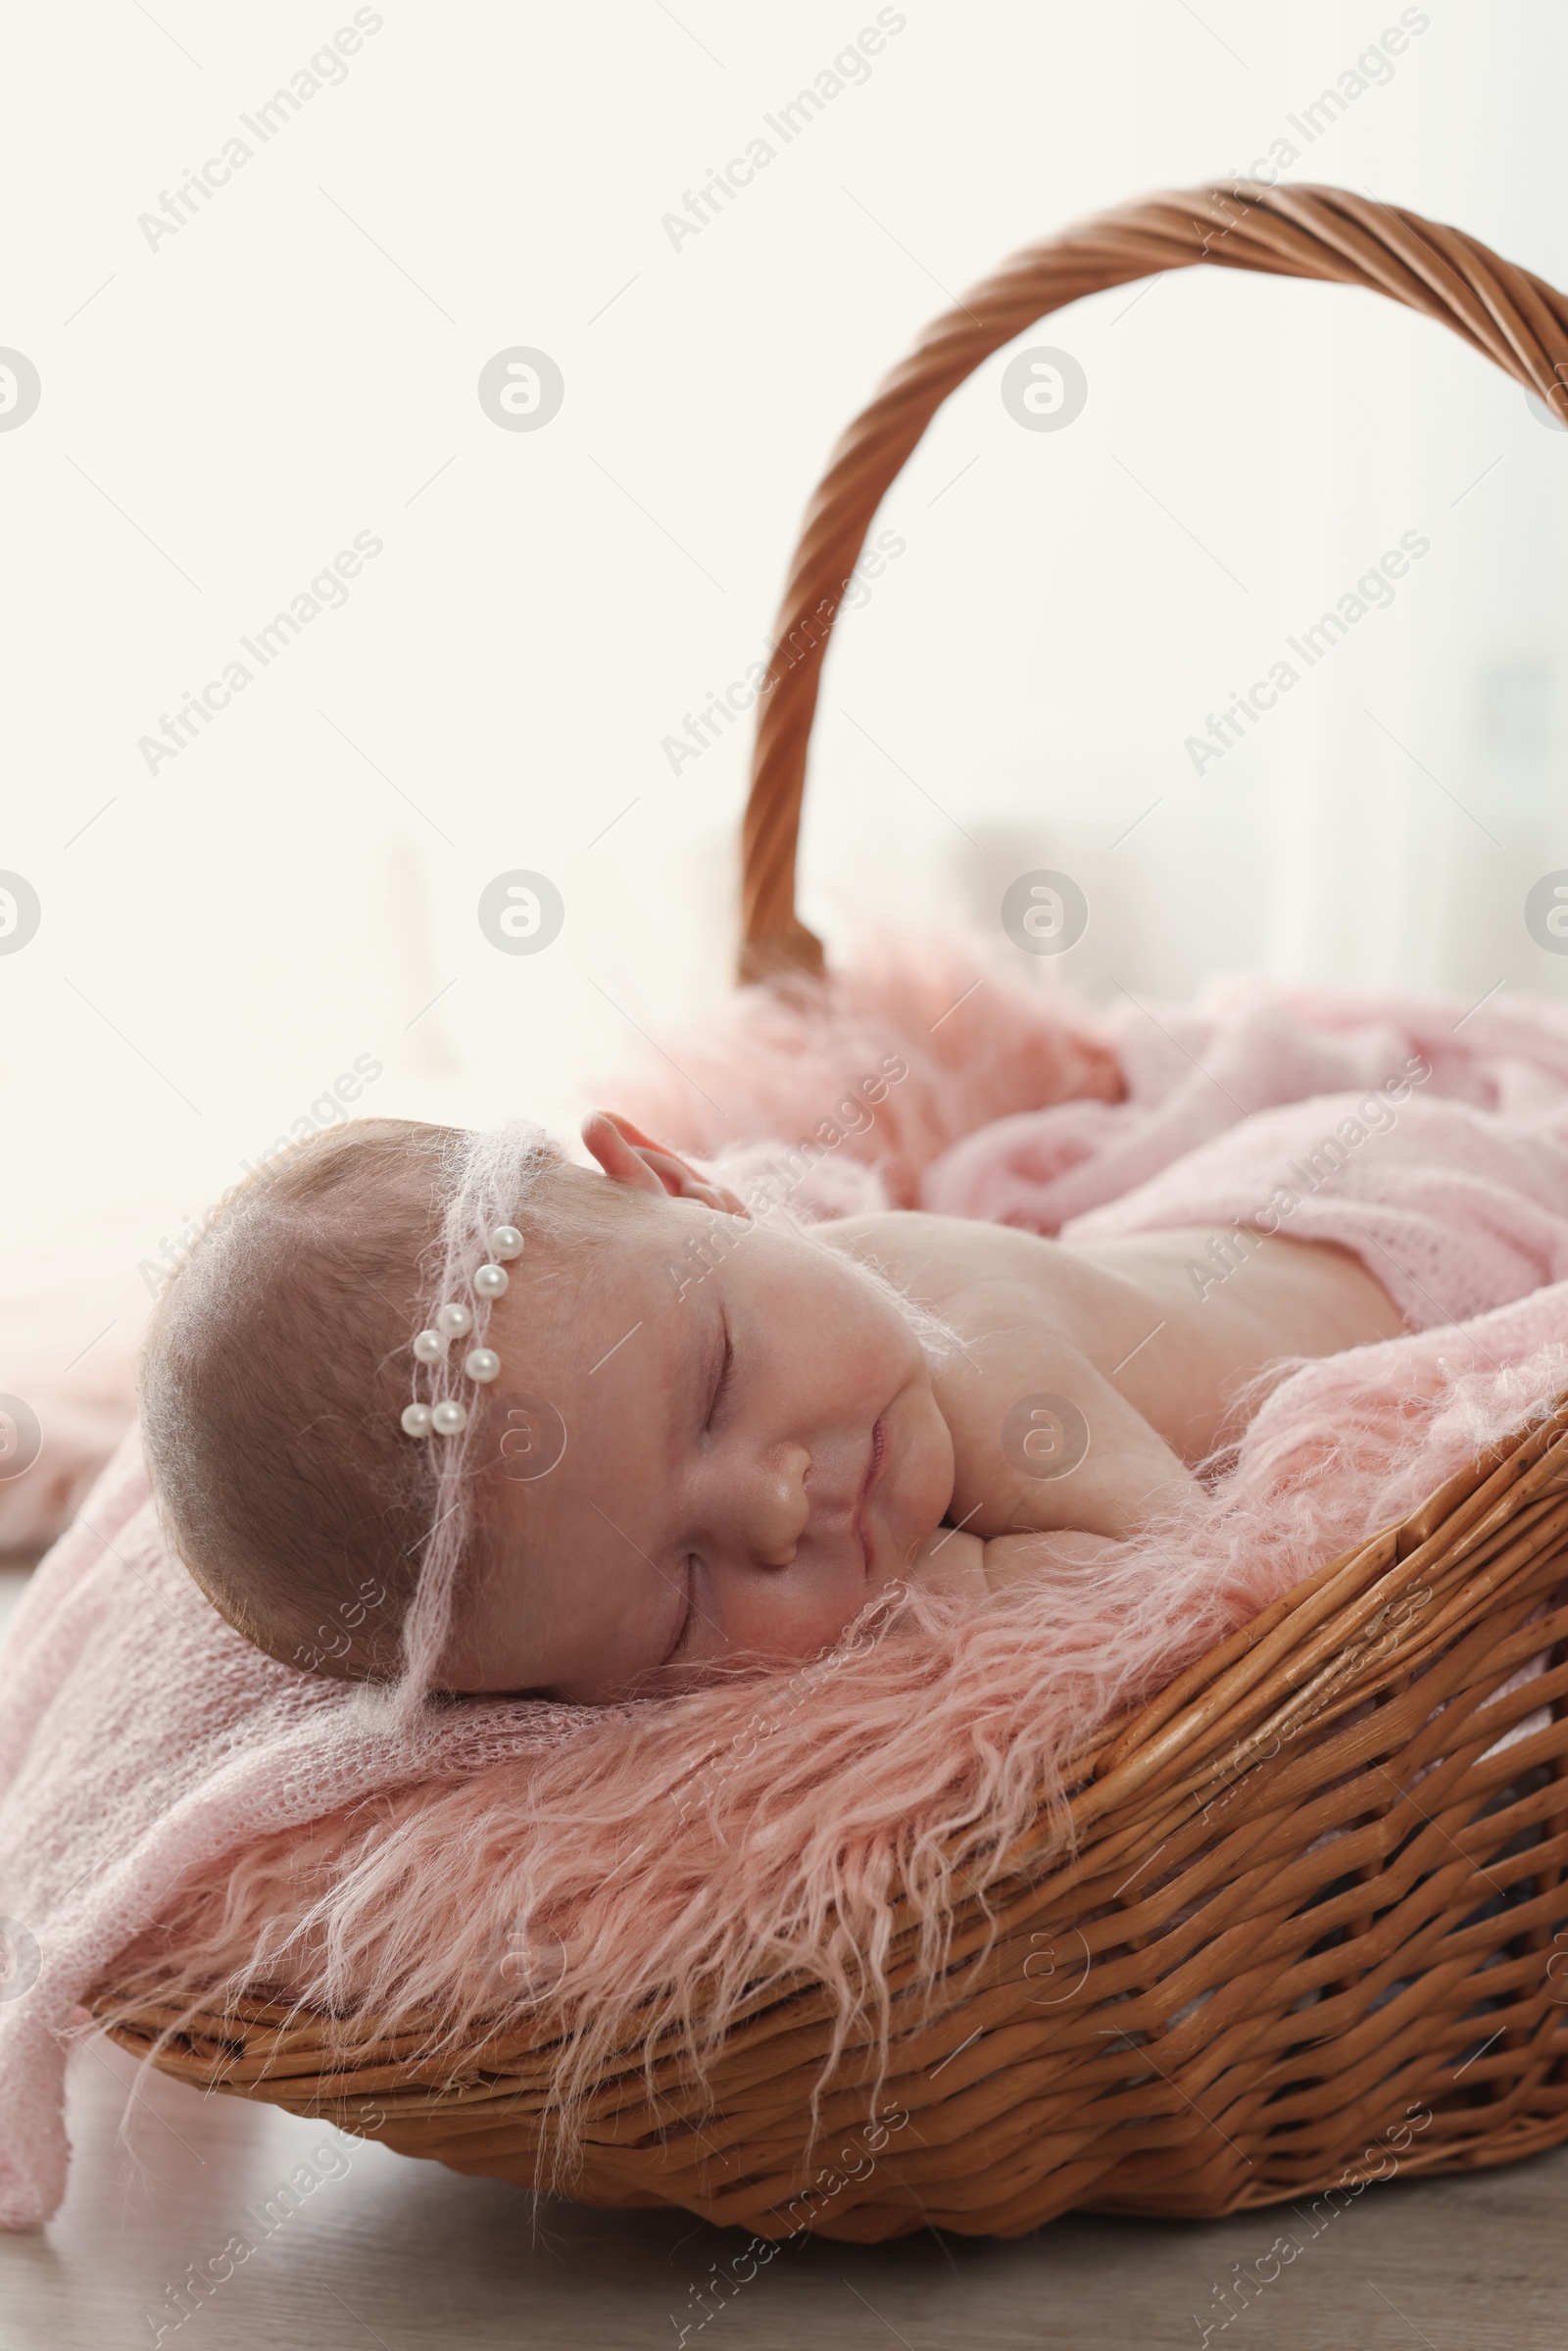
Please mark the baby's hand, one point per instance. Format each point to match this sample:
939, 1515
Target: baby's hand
954, 1560
949, 1561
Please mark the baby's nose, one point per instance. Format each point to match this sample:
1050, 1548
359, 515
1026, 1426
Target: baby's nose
783, 1506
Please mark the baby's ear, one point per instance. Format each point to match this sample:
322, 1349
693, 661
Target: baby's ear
629, 1157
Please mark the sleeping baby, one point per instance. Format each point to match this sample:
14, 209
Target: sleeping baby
456, 1412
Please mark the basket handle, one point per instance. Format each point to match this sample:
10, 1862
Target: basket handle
1514, 318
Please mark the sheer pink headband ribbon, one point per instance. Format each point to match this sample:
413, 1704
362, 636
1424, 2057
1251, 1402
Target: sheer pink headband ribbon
492, 1177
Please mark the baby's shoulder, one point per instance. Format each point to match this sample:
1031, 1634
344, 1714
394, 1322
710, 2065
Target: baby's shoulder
914, 1246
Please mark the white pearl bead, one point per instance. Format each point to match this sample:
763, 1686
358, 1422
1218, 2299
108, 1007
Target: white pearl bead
455, 1320
429, 1346
481, 1363
416, 1419
506, 1242
491, 1280
449, 1417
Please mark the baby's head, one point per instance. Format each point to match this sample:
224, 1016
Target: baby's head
712, 1438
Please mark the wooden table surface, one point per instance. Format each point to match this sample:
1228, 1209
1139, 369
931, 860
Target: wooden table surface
386, 2250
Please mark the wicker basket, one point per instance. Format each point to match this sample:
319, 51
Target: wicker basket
1316, 1925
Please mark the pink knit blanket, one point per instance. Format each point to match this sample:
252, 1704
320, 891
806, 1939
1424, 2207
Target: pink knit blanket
1434, 1146
156, 1771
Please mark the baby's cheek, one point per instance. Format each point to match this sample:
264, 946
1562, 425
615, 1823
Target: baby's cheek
921, 1485
780, 1624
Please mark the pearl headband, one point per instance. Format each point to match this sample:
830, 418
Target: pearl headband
448, 1416
487, 1184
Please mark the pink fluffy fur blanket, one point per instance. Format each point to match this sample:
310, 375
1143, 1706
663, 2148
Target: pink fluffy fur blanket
175, 1809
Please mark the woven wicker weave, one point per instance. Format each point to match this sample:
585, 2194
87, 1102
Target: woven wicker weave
1314, 1924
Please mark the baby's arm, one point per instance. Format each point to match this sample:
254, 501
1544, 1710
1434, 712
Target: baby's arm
1011, 1416
1010, 1527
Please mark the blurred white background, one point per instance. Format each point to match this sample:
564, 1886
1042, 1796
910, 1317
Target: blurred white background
298, 364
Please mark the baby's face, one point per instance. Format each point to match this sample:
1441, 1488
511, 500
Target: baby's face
746, 1464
